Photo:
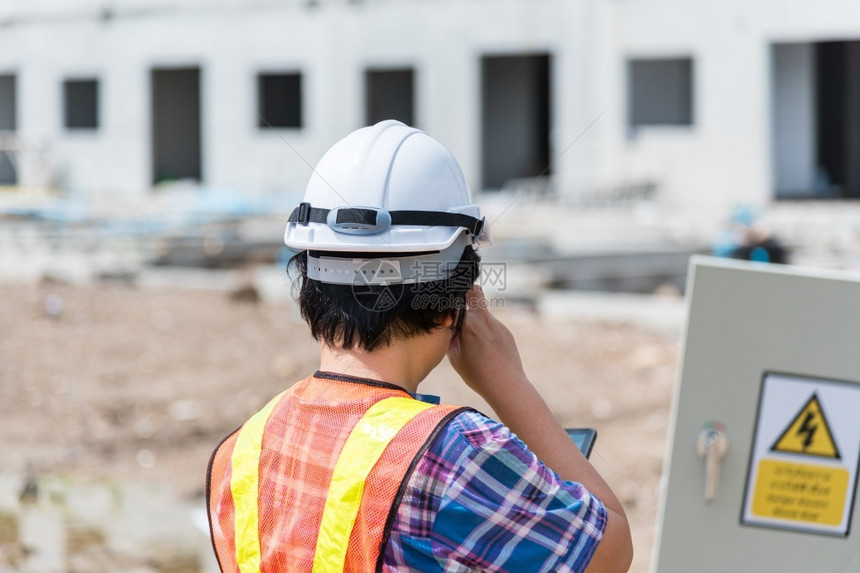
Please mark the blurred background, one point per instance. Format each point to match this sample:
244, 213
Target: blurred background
151, 150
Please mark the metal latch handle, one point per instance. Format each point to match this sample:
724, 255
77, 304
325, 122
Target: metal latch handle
712, 446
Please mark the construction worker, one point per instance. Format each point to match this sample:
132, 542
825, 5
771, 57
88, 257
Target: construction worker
350, 469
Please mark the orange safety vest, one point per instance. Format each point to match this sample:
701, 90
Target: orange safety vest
312, 481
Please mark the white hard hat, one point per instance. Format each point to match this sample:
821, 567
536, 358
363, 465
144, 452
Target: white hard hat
390, 189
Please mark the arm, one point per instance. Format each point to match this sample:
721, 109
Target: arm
486, 357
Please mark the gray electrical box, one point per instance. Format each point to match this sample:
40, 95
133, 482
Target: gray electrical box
765, 434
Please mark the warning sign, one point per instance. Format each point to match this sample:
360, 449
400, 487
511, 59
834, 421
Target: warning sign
805, 455
800, 492
808, 434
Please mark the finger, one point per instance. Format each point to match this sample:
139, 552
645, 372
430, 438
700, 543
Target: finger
475, 297
473, 293
454, 345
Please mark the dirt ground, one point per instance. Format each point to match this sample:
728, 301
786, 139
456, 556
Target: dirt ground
132, 384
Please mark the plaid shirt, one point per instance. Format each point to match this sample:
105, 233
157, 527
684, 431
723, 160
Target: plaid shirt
479, 500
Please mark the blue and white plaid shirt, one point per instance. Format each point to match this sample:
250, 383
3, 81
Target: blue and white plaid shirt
480, 500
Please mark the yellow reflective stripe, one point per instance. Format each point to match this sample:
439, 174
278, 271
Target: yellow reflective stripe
365, 444
244, 486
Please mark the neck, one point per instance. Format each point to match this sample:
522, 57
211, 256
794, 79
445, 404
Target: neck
403, 363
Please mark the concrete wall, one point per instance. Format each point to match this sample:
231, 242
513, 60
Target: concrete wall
723, 158
332, 44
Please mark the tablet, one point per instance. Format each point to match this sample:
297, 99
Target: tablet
584, 438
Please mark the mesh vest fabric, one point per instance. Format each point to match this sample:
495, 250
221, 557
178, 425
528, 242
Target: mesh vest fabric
302, 440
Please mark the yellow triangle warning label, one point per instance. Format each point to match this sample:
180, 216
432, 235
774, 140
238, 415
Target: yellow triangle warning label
809, 433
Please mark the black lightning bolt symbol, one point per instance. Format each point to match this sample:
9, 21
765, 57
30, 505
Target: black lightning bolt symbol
808, 428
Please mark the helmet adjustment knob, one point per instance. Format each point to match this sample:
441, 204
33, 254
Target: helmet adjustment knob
359, 220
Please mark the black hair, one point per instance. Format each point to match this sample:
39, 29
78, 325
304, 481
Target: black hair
371, 316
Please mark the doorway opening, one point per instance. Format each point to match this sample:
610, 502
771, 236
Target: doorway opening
176, 142
8, 125
815, 123
515, 118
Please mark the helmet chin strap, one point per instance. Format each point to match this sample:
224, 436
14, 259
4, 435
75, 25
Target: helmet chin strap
391, 270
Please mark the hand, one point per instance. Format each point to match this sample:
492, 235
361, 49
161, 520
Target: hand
486, 357
485, 354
